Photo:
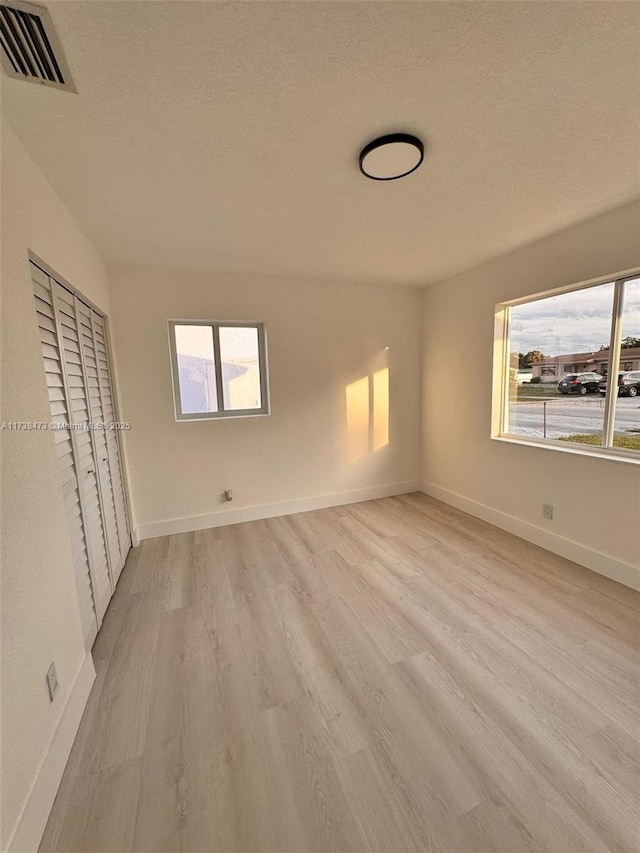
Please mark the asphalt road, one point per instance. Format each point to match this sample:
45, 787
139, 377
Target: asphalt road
571, 416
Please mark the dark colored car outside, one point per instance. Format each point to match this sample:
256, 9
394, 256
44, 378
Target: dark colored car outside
628, 384
579, 383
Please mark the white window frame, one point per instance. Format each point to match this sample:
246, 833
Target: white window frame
501, 365
215, 326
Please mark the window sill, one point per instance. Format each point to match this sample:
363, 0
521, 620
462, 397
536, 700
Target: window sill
224, 416
610, 454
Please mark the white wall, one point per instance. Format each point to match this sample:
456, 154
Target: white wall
597, 502
40, 618
321, 337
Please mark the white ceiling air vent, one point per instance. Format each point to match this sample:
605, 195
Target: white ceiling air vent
30, 47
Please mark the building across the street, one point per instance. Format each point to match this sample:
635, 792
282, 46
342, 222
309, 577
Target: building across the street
554, 367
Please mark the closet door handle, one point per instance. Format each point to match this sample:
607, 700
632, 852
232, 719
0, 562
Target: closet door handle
91, 471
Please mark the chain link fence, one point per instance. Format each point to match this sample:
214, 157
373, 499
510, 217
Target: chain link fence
556, 418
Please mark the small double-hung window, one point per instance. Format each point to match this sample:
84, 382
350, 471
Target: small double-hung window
219, 369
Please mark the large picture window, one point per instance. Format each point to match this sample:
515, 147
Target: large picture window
219, 369
578, 352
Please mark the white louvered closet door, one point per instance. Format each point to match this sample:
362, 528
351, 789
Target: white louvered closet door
113, 448
104, 460
76, 363
64, 450
69, 337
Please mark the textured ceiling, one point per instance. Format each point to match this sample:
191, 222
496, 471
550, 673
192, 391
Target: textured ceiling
226, 135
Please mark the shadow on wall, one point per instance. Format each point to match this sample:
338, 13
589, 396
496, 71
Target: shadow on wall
367, 410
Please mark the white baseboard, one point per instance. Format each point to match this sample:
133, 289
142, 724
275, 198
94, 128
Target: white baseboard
254, 513
27, 835
604, 564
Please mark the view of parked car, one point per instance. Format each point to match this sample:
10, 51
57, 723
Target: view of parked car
628, 384
580, 383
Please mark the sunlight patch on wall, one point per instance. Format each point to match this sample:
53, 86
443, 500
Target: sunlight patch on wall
358, 418
367, 410
380, 408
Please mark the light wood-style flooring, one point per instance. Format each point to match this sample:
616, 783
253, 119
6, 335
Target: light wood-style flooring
387, 676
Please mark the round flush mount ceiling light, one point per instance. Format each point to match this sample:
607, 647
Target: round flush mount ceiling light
391, 157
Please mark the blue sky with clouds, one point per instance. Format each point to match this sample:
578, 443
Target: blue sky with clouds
573, 322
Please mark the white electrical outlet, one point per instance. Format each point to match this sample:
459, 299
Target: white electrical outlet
547, 511
228, 495
52, 681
